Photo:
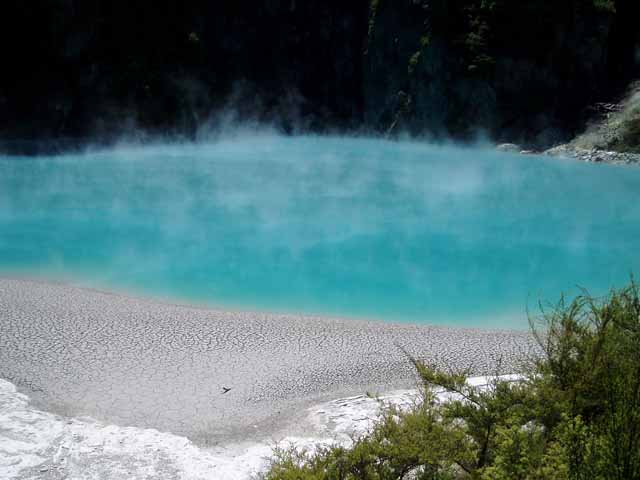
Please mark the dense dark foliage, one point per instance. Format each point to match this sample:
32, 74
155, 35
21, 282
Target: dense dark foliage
575, 415
87, 67
517, 70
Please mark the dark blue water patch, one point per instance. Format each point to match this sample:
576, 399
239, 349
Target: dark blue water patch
356, 227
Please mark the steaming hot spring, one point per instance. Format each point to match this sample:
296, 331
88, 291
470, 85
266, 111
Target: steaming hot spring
219, 291
333, 226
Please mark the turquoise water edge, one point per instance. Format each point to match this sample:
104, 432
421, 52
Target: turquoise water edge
397, 231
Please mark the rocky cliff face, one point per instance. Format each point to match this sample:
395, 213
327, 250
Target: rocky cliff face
518, 71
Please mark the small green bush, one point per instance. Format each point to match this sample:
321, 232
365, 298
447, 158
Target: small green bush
575, 415
629, 135
605, 5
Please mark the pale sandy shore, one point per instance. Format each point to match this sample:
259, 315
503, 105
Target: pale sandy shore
144, 363
35, 444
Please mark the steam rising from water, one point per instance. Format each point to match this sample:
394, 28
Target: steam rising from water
399, 231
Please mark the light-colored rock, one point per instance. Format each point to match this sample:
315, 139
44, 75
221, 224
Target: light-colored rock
509, 148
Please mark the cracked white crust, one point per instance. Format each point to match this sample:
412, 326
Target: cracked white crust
150, 364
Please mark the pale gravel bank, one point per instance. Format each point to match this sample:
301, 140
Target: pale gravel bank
40, 445
147, 364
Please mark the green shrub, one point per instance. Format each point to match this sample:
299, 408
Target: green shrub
575, 415
605, 5
628, 139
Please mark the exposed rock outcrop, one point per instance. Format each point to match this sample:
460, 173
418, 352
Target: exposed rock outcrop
613, 136
594, 155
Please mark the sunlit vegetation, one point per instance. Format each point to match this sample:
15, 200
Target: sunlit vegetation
574, 415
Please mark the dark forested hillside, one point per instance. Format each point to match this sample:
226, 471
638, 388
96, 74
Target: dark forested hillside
517, 70
513, 69
80, 67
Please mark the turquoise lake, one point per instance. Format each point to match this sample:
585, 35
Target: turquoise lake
397, 231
